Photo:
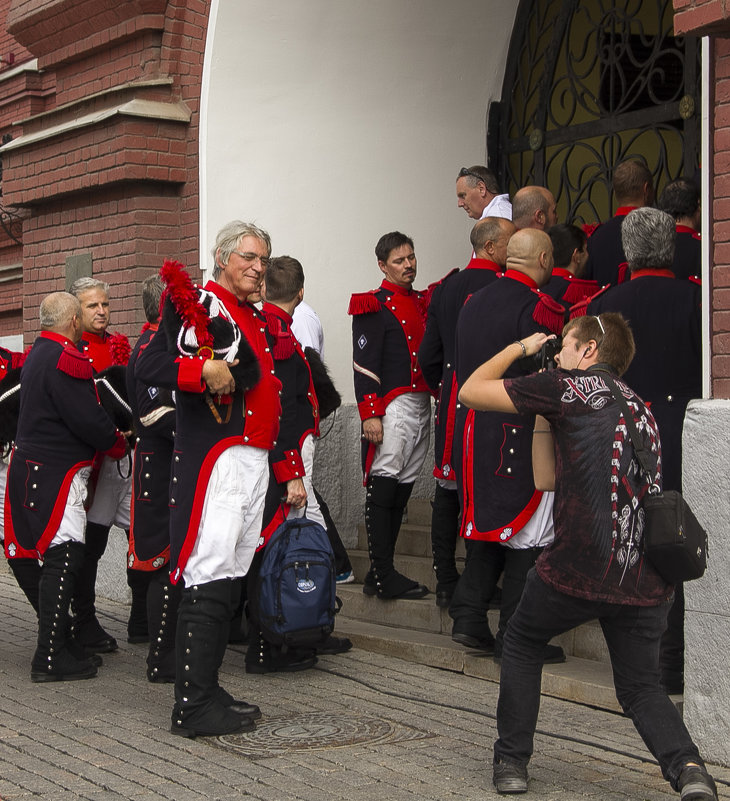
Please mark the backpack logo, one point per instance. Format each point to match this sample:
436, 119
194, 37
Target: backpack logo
306, 585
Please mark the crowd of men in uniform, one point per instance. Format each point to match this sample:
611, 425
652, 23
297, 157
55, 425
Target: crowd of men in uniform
224, 402
496, 322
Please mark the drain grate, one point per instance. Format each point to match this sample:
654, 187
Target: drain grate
316, 731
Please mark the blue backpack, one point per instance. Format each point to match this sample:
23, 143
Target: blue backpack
293, 598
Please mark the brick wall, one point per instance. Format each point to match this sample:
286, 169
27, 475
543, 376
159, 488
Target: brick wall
123, 186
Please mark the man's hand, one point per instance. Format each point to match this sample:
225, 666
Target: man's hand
534, 342
372, 430
296, 494
218, 378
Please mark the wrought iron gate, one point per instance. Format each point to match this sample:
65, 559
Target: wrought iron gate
589, 83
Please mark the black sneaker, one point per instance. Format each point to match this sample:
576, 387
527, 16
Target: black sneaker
696, 784
510, 778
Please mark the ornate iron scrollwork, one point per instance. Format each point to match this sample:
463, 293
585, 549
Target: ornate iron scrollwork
589, 83
10, 221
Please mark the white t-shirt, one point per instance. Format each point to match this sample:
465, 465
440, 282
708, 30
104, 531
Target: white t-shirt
307, 328
499, 206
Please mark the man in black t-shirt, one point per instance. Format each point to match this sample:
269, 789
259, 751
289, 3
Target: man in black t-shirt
595, 568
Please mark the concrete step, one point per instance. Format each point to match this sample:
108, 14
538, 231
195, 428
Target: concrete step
582, 680
585, 642
413, 539
418, 512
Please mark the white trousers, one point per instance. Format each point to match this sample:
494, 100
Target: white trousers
312, 510
73, 523
113, 494
406, 430
233, 509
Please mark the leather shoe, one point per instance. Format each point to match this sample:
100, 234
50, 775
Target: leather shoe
509, 777
470, 641
443, 598
334, 645
239, 707
413, 593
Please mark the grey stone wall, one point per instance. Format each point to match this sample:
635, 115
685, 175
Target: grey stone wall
706, 485
337, 476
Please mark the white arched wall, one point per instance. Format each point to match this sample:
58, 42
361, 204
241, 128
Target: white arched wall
332, 122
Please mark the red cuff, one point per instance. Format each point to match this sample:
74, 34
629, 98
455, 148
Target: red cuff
291, 466
371, 406
118, 449
190, 375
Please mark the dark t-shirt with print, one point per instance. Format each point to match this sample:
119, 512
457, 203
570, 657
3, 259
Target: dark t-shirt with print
599, 520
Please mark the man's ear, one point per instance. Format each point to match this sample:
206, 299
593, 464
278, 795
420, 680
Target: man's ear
381, 264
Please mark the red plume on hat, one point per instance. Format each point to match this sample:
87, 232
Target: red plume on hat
185, 299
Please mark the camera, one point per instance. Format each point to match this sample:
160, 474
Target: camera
544, 359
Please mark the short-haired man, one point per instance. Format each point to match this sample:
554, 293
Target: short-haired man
149, 533
60, 428
394, 404
534, 207
506, 520
437, 357
665, 317
594, 569
478, 193
226, 424
681, 199
633, 188
112, 486
570, 255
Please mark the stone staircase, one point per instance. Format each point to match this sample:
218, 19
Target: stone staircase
420, 632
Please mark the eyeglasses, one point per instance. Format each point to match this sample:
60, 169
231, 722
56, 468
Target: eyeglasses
250, 258
603, 330
465, 171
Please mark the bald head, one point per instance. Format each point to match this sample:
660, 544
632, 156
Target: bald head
489, 238
633, 184
534, 207
531, 252
60, 312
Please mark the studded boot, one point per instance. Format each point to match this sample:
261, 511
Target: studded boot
444, 533
138, 582
163, 599
203, 619
384, 505
52, 660
263, 657
27, 573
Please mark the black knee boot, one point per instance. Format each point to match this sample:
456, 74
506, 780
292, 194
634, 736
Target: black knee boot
444, 531
27, 573
52, 660
203, 619
163, 599
263, 657
138, 582
384, 505
86, 628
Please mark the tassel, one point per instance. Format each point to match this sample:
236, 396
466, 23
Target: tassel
184, 298
75, 364
579, 288
363, 303
119, 349
549, 313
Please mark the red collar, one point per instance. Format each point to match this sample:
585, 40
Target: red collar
657, 272
516, 275
221, 292
685, 229
622, 211
395, 289
60, 338
561, 272
483, 264
92, 338
150, 327
270, 308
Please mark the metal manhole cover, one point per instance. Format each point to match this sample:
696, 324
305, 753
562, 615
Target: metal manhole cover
316, 731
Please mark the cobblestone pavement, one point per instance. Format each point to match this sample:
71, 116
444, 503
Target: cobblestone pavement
359, 726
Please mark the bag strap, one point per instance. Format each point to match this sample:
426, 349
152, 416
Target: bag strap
642, 454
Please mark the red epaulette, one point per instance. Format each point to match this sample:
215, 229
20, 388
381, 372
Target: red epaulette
695, 279
18, 359
549, 312
428, 292
119, 348
589, 228
363, 303
624, 273
579, 288
284, 346
75, 364
580, 308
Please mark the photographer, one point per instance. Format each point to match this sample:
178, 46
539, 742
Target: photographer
595, 568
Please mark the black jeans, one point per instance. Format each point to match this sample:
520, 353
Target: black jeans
632, 633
